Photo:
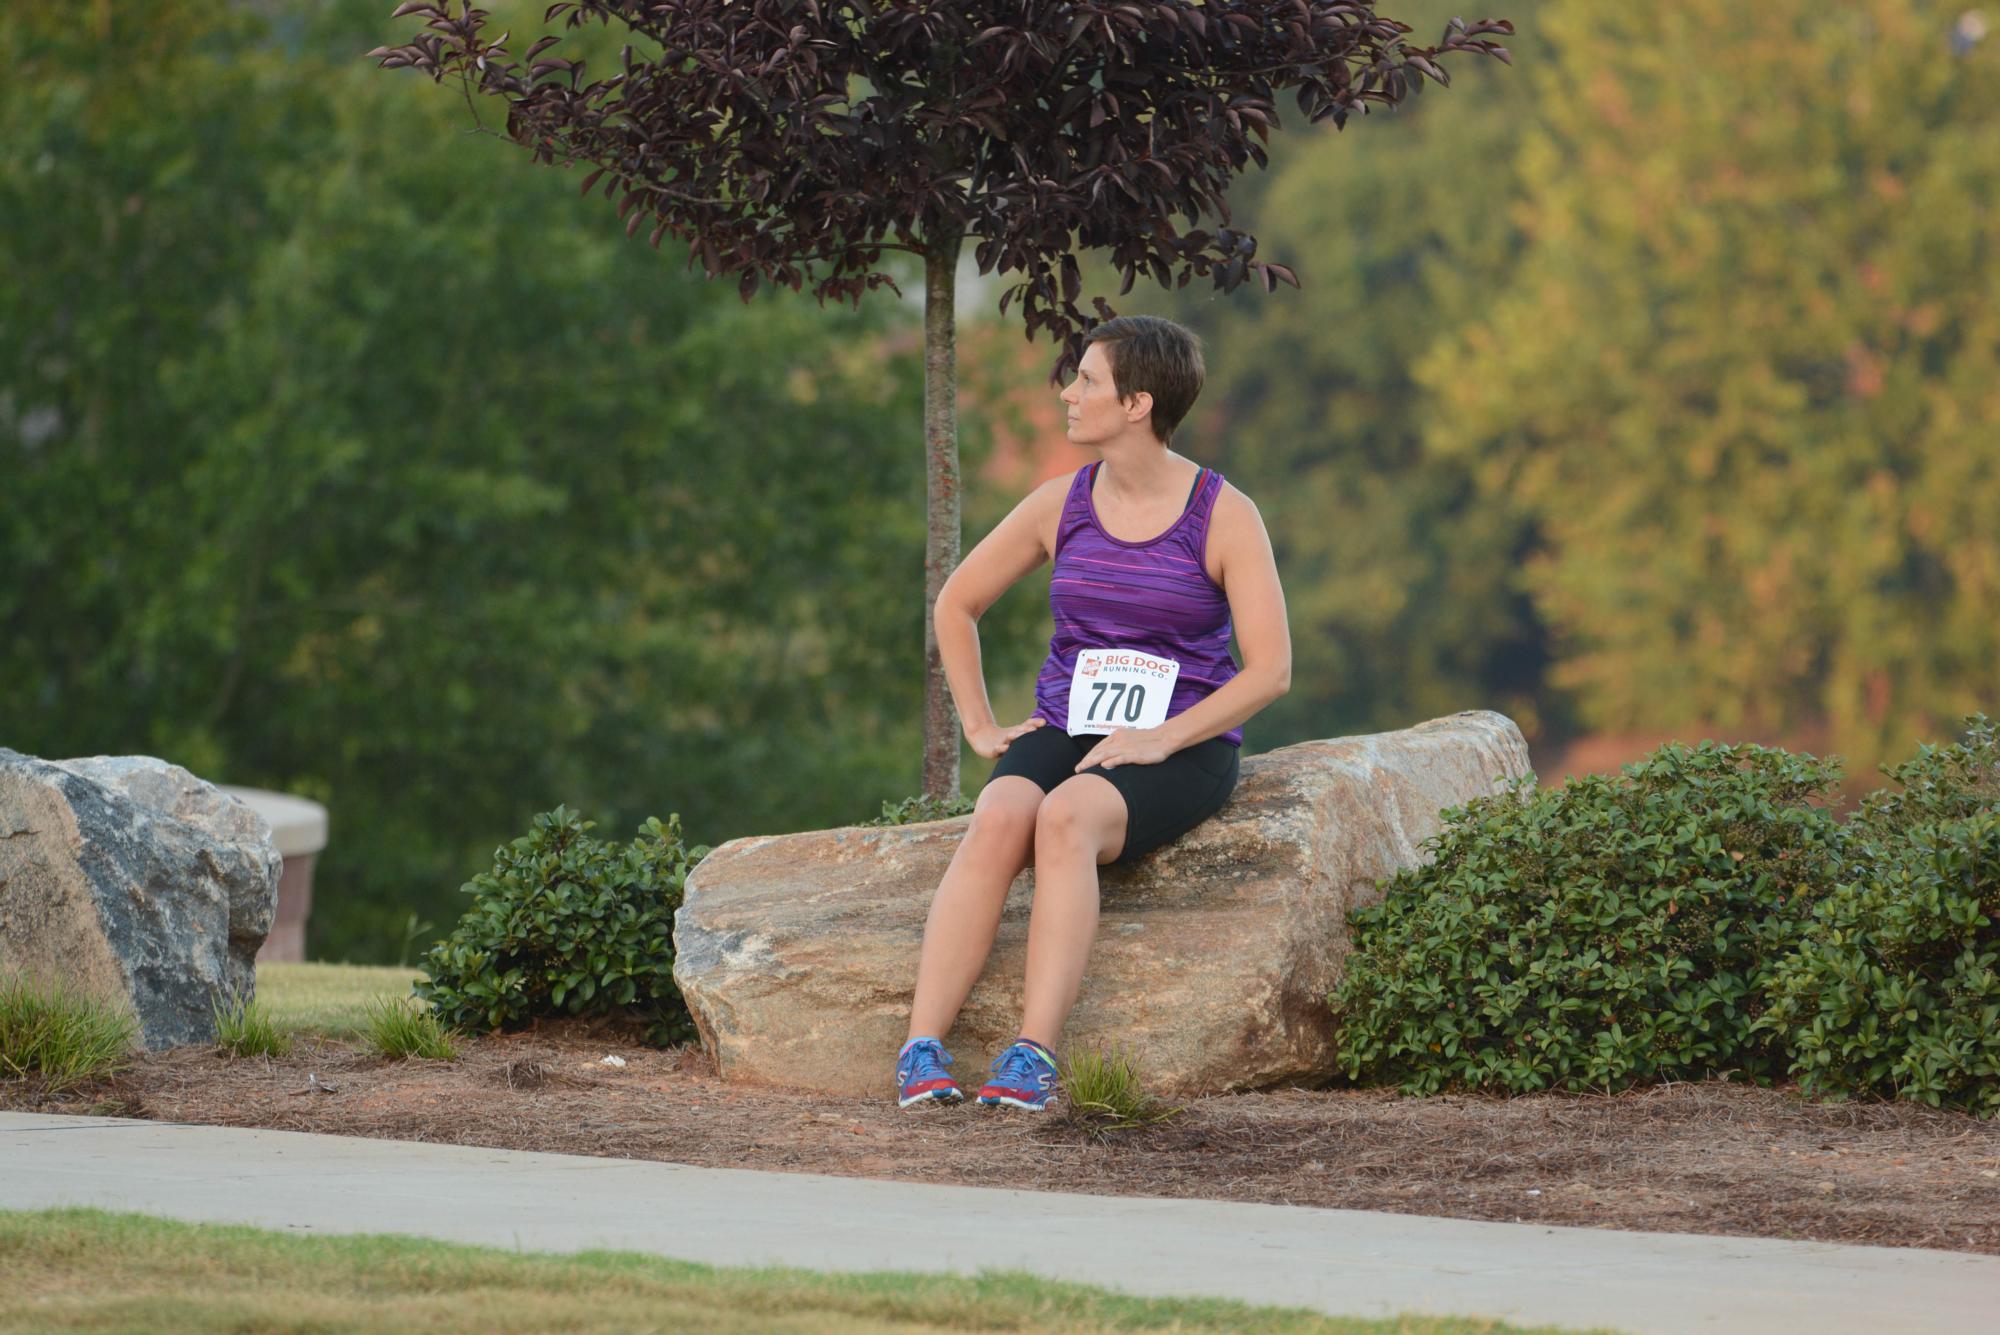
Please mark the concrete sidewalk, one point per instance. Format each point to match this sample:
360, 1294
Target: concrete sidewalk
1337, 1261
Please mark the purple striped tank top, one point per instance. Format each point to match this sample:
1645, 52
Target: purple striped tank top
1154, 597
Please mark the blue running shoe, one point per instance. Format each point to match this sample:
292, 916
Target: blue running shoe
1024, 1076
920, 1072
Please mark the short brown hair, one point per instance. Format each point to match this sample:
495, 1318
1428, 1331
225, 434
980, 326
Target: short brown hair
1157, 356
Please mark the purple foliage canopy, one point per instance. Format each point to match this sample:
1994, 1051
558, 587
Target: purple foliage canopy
795, 141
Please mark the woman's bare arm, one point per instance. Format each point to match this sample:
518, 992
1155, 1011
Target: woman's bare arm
1018, 544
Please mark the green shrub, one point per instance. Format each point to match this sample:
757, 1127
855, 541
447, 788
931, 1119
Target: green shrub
567, 925
398, 1027
1893, 991
1610, 932
1943, 783
244, 1029
66, 1036
920, 808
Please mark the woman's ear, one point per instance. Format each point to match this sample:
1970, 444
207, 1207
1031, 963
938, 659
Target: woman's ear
1138, 406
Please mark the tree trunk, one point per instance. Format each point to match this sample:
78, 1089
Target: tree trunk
941, 722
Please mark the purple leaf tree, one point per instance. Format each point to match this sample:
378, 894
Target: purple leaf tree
795, 142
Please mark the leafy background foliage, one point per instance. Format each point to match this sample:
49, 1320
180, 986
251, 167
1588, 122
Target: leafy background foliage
345, 457
349, 454
1401, 577
1708, 451
1746, 396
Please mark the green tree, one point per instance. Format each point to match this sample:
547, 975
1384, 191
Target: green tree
345, 460
1744, 378
796, 144
1398, 573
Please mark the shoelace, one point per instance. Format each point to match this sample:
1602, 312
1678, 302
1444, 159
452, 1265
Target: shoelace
1018, 1063
926, 1061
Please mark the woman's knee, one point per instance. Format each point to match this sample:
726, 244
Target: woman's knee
1078, 815
1005, 814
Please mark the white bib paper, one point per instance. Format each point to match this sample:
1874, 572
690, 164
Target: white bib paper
1111, 689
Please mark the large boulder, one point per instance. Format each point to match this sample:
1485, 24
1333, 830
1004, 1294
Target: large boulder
134, 880
1214, 955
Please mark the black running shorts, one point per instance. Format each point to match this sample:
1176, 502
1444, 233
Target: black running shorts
1162, 802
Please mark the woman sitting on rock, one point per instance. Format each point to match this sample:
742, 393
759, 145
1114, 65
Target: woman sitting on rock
1155, 558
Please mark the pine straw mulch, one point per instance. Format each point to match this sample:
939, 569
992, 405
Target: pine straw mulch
1709, 1158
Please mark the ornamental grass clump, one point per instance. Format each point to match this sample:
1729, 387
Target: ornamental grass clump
1612, 932
1894, 989
60, 1033
244, 1029
1103, 1092
565, 924
399, 1027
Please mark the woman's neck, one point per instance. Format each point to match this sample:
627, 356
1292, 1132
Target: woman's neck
1142, 473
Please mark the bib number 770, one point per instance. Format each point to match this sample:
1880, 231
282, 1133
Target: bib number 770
1111, 689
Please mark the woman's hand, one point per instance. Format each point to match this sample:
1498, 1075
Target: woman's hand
993, 740
1127, 746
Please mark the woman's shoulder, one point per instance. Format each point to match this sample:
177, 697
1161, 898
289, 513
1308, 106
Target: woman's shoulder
1232, 500
1235, 517
1047, 506
1050, 494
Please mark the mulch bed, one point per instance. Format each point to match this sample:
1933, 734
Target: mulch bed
1709, 1158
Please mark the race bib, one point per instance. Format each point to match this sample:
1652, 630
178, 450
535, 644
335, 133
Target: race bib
1119, 688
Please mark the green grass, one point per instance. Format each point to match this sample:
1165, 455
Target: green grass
52, 1029
90, 1270
329, 1000
368, 1004
1103, 1090
245, 1029
404, 1027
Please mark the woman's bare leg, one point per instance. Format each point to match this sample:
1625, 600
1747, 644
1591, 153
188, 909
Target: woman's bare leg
1079, 826
965, 911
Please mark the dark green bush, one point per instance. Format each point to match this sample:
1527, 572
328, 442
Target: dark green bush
1943, 783
913, 809
1610, 932
1893, 991
565, 924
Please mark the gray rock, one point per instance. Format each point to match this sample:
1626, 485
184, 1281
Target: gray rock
1213, 958
133, 879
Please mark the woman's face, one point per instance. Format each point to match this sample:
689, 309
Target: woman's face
1095, 414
